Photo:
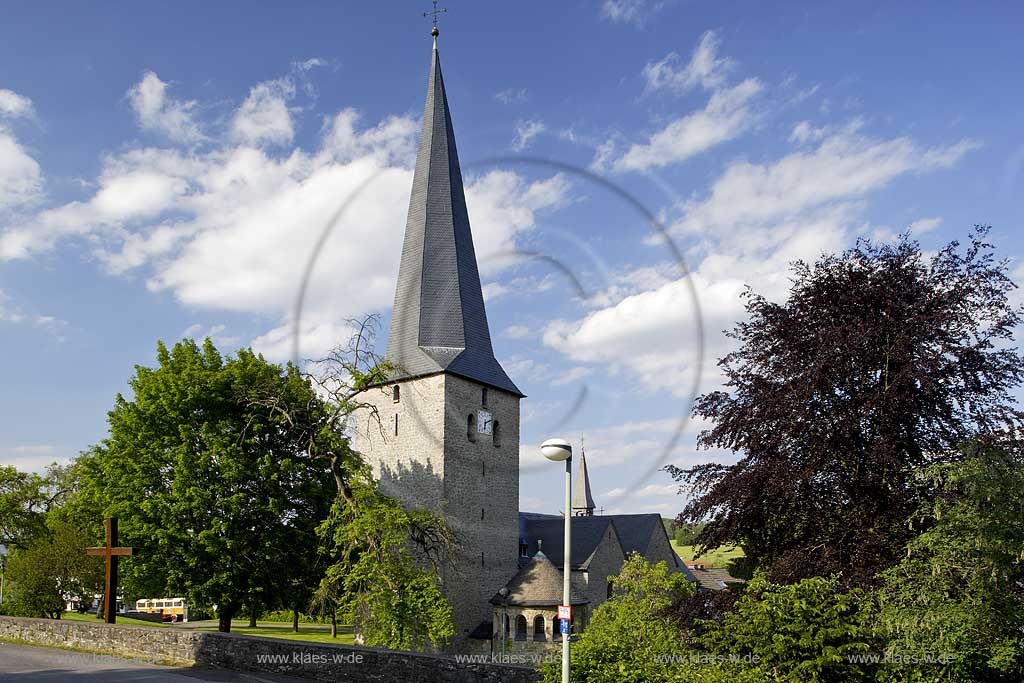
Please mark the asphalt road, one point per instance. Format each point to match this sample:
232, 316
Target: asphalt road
25, 664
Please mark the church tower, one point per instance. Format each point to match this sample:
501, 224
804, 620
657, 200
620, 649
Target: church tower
446, 433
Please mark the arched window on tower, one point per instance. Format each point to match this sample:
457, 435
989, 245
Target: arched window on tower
520, 627
471, 427
483, 397
396, 393
496, 433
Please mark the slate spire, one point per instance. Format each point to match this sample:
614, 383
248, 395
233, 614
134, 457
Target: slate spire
439, 323
582, 501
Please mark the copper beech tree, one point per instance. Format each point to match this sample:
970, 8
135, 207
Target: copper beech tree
883, 360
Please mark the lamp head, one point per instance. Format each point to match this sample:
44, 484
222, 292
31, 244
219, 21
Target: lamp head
556, 450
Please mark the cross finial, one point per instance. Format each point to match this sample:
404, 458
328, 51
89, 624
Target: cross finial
433, 14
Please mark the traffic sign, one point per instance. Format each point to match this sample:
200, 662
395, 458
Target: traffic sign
564, 628
564, 612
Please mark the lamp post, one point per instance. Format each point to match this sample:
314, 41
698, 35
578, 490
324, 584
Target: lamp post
504, 618
559, 450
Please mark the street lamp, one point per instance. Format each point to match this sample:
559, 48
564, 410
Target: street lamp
504, 618
559, 450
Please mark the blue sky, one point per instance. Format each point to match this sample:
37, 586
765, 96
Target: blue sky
165, 171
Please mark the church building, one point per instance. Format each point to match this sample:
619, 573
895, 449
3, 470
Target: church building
445, 435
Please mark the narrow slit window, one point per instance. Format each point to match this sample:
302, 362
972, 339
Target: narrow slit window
483, 397
396, 425
396, 393
471, 427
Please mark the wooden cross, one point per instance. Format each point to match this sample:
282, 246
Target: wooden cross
111, 552
434, 12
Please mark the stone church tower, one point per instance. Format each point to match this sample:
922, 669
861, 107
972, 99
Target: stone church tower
448, 431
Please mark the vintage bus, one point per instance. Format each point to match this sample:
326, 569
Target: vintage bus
172, 609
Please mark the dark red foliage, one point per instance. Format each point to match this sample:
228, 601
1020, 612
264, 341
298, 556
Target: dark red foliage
882, 360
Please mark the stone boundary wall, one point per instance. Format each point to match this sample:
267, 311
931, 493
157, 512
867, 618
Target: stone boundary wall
317, 661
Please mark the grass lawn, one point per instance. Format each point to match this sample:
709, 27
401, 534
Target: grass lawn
312, 634
91, 618
719, 557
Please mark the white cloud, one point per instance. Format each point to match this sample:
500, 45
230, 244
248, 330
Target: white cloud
13, 105
646, 492
264, 116
636, 12
846, 165
231, 227
8, 311
726, 115
159, 113
571, 375
804, 132
20, 176
512, 95
923, 225
526, 131
516, 332
705, 68
33, 458
756, 220
217, 334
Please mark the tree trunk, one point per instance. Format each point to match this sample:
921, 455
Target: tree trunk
252, 618
224, 620
295, 620
334, 624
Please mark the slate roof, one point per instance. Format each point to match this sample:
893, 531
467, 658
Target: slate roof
714, 578
634, 532
581, 498
539, 584
439, 323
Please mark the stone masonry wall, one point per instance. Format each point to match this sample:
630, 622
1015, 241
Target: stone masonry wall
315, 661
607, 561
431, 462
659, 549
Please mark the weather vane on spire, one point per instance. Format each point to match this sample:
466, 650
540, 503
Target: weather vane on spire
433, 14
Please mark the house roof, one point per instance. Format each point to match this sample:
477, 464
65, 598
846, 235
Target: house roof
439, 323
713, 578
634, 534
539, 584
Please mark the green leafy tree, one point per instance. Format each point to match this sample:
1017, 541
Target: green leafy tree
960, 589
882, 360
632, 637
25, 500
385, 569
382, 559
806, 632
52, 569
213, 490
